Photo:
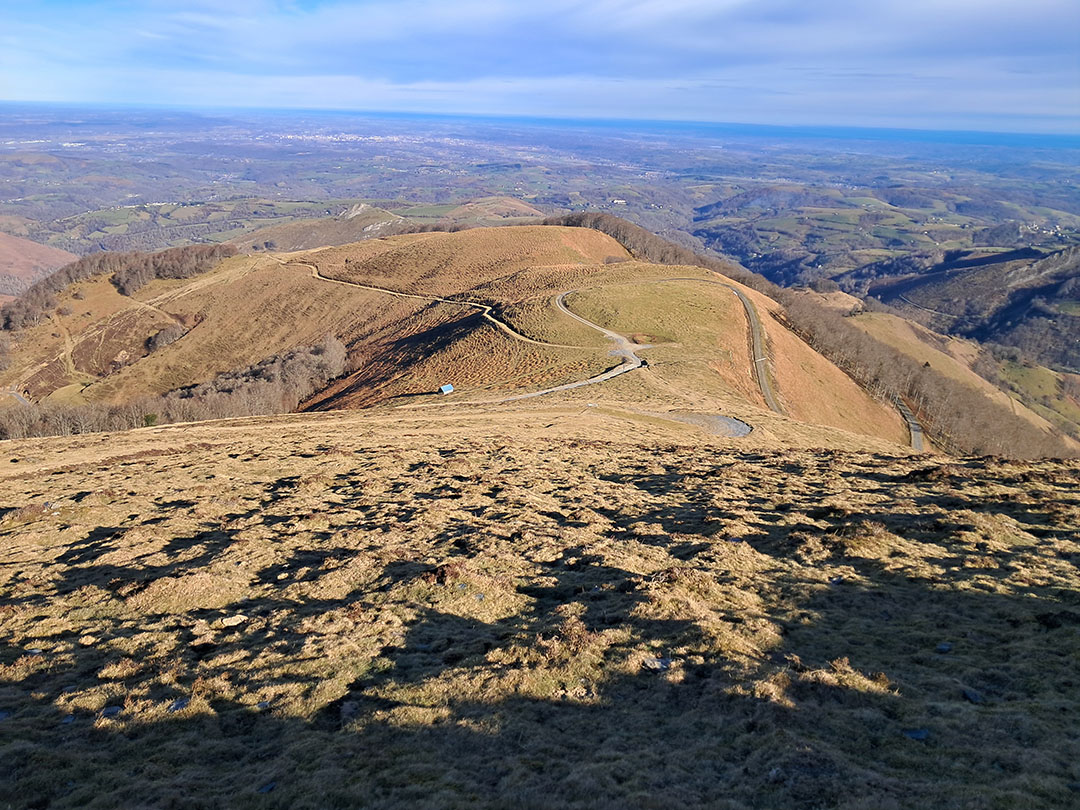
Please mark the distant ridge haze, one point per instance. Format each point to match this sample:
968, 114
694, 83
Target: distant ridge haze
994, 65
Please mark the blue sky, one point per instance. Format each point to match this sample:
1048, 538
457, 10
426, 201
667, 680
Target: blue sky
1006, 65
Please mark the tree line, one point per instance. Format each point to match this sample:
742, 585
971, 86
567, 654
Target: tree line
130, 271
277, 384
956, 417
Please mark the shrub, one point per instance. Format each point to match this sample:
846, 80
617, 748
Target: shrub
170, 334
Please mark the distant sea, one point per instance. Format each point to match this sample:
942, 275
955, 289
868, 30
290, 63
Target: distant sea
102, 113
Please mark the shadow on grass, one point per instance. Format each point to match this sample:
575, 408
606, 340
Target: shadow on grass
789, 669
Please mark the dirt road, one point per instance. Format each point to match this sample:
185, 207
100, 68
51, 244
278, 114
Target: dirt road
625, 348
14, 391
484, 309
913, 425
759, 358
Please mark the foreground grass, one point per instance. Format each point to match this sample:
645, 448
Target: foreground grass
345, 617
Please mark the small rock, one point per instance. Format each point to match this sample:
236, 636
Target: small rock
736, 540
263, 704
944, 647
656, 664
776, 775
267, 787
479, 597
461, 586
836, 580
111, 711
234, 621
178, 705
35, 651
67, 720
917, 733
971, 696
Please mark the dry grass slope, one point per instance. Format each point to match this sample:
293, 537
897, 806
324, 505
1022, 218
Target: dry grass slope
95, 346
25, 260
360, 222
541, 606
953, 357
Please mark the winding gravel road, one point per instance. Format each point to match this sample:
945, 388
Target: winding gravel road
484, 309
625, 348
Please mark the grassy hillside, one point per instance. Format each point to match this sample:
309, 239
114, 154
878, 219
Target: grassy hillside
359, 221
701, 348
1053, 395
538, 604
23, 262
483, 211
954, 357
1018, 299
100, 346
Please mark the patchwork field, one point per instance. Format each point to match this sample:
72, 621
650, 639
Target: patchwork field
556, 603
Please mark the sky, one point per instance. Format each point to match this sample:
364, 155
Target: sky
992, 65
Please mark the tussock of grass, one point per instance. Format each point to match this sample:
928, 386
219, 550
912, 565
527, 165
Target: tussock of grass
432, 617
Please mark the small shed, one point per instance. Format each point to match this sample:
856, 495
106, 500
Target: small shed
446, 389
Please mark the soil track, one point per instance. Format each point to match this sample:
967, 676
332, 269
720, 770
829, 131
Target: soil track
14, 391
913, 425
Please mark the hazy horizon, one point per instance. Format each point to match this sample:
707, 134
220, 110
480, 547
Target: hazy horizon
642, 126
959, 65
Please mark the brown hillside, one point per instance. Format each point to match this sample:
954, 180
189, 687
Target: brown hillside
693, 332
492, 210
951, 356
359, 222
23, 261
445, 264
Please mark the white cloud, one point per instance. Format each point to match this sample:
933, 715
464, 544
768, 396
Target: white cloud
921, 61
